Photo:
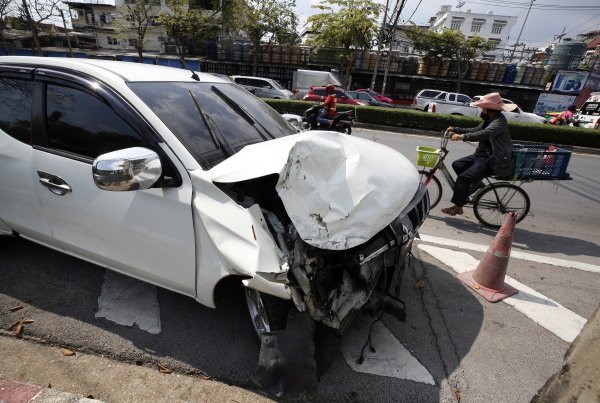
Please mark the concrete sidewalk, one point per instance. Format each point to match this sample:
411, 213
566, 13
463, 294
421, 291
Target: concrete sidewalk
30, 372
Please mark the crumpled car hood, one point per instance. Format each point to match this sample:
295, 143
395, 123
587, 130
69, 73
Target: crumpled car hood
338, 190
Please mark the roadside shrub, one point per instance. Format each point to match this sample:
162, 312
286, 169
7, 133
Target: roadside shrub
408, 118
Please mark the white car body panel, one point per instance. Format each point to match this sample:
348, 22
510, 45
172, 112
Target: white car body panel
127, 231
238, 235
327, 213
20, 208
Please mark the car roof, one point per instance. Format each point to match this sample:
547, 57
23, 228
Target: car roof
127, 71
258, 78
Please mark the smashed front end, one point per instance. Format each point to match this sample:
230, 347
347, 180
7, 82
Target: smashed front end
331, 285
342, 211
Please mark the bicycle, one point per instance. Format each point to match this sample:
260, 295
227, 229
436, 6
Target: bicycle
495, 196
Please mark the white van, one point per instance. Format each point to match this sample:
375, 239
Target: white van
263, 87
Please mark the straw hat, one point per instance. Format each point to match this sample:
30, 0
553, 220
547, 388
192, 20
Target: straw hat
494, 101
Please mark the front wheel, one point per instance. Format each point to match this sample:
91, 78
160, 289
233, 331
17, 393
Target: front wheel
267, 313
494, 201
434, 187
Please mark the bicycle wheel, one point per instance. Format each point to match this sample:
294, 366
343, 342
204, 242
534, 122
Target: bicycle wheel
434, 187
493, 201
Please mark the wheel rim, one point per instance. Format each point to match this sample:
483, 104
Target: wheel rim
258, 313
490, 210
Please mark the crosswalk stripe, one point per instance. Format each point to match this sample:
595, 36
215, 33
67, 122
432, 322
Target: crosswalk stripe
514, 253
539, 308
390, 358
127, 301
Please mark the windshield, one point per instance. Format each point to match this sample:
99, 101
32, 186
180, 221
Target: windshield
207, 121
277, 85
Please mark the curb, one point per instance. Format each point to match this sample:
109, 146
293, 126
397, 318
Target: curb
13, 391
433, 133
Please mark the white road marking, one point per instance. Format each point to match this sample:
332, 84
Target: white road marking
126, 301
514, 253
539, 308
390, 358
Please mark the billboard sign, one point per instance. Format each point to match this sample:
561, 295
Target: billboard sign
553, 103
570, 81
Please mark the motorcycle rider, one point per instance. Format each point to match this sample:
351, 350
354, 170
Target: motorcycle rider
328, 111
566, 117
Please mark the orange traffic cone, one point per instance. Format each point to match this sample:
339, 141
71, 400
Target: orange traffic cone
487, 279
433, 107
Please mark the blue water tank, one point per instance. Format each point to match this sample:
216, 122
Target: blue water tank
510, 73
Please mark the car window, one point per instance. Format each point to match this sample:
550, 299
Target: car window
175, 104
463, 98
339, 94
319, 92
80, 123
452, 97
429, 94
15, 108
441, 95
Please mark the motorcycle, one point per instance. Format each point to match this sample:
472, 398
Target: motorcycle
342, 121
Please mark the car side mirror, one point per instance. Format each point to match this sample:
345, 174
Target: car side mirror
135, 168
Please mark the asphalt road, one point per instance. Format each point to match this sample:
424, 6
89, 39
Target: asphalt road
470, 349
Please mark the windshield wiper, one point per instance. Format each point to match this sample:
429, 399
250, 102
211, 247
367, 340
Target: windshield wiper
214, 131
242, 112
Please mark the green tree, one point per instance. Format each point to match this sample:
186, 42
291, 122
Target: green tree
34, 13
5, 6
272, 19
186, 26
139, 17
349, 25
450, 44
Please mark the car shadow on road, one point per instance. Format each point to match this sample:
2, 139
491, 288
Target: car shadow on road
443, 321
60, 293
530, 240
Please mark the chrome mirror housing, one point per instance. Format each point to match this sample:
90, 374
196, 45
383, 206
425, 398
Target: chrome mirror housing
133, 168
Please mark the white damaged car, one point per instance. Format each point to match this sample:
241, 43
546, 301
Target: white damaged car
182, 180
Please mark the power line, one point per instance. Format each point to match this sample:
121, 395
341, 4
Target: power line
415, 10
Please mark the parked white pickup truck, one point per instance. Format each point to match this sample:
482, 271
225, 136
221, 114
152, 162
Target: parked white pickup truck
452, 103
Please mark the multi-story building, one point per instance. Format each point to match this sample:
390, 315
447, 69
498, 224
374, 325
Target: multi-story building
102, 24
495, 28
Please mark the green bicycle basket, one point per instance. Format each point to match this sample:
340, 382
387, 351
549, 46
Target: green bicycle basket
427, 156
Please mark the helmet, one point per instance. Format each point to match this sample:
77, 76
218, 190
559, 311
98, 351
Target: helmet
329, 88
572, 107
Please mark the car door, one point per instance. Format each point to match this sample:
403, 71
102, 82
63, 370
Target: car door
20, 207
147, 234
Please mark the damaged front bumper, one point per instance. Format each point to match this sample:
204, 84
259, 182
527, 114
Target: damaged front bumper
331, 285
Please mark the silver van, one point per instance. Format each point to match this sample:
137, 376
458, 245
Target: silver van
263, 87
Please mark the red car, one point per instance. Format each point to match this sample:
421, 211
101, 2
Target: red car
376, 95
318, 94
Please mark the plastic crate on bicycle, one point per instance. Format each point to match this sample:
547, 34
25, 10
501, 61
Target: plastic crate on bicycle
540, 161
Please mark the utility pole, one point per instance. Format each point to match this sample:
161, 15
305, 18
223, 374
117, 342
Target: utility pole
520, 32
380, 43
62, 14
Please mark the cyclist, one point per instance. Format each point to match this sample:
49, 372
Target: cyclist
493, 154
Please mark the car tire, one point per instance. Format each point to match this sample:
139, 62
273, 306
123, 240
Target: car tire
266, 312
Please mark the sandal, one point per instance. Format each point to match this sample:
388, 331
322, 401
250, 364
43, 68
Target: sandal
454, 210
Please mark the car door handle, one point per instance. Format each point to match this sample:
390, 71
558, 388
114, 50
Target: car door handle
54, 183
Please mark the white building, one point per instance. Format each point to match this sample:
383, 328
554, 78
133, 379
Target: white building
106, 27
495, 28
